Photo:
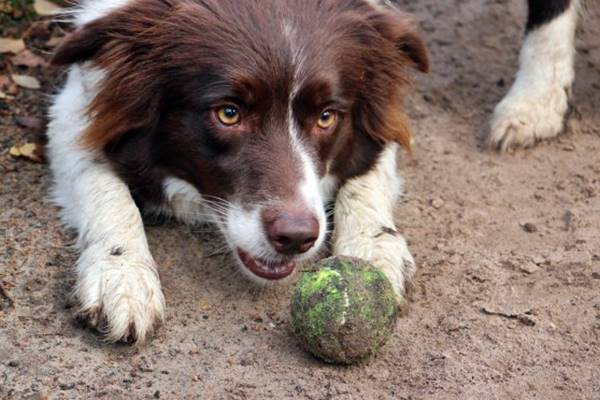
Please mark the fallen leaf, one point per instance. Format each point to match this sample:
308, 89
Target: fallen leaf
45, 7
11, 45
28, 59
26, 81
15, 151
30, 151
4, 82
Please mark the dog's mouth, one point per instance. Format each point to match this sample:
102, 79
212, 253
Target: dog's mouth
271, 270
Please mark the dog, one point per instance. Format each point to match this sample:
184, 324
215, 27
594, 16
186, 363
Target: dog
535, 107
252, 115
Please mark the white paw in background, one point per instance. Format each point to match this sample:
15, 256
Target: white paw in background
535, 107
119, 295
387, 250
527, 116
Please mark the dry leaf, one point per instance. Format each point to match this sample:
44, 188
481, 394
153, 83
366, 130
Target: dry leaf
11, 45
4, 82
30, 151
26, 81
28, 59
45, 7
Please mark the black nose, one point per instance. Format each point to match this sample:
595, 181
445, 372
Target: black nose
292, 231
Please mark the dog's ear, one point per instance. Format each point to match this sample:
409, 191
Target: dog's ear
380, 113
87, 42
83, 44
129, 95
399, 28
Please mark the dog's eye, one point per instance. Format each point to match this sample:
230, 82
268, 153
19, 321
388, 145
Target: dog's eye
229, 115
327, 119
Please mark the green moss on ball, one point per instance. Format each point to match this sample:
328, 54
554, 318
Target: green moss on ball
344, 310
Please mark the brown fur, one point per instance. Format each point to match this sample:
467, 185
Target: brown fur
169, 62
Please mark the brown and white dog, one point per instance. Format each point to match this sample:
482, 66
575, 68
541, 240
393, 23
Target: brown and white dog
249, 114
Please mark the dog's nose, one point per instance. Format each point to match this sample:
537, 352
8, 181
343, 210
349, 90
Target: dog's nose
292, 232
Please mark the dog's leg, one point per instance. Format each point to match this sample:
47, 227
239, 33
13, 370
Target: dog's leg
117, 286
364, 221
535, 107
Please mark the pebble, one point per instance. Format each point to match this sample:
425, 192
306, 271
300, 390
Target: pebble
529, 268
437, 203
538, 259
13, 363
529, 227
66, 386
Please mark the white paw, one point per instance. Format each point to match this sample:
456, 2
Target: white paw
119, 295
522, 119
386, 249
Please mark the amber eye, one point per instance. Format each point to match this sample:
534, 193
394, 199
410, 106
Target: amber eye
229, 115
327, 119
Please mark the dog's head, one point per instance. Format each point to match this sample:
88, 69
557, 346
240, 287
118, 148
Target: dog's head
264, 107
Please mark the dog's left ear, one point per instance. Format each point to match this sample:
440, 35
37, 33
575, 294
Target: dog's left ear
398, 27
380, 114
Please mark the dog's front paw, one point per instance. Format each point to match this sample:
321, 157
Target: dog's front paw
522, 119
387, 250
120, 297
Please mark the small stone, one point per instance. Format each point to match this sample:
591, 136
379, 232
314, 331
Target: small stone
437, 203
13, 363
595, 275
529, 227
529, 268
538, 259
66, 386
157, 394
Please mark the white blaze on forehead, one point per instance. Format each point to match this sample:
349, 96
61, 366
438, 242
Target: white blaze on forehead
309, 187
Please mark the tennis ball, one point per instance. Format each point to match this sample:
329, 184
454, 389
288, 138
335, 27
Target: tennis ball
343, 310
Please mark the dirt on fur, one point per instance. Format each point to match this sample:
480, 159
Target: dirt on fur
505, 304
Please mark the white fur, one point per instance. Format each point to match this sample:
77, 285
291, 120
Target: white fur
535, 107
90, 10
184, 202
329, 185
364, 207
310, 188
118, 293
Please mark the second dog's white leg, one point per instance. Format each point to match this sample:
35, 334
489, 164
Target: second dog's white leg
117, 287
364, 221
535, 107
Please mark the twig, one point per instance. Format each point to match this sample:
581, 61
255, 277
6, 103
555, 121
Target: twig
4, 294
522, 318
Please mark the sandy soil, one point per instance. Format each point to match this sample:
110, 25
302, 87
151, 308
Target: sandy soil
505, 305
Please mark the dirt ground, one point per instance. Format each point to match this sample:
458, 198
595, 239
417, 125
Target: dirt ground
505, 304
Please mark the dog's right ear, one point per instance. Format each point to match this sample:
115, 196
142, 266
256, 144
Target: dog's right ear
88, 41
83, 44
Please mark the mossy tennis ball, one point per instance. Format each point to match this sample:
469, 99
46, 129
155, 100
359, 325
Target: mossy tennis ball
343, 310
